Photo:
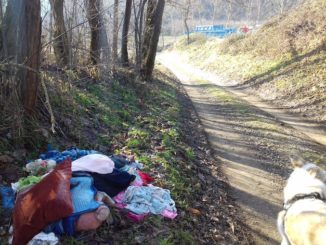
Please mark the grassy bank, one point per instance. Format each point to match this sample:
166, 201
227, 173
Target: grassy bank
154, 121
283, 61
124, 115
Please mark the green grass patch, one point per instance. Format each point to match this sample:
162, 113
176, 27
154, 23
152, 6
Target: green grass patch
190, 154
68, 240
263, 124
126, 116
85, 100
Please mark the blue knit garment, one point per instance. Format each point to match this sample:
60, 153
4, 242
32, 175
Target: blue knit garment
82, 194
73, 153
83, 198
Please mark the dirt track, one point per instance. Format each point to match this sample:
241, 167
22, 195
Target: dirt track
253, 142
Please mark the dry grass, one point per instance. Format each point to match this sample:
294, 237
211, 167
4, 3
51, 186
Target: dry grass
283, 61
300, 30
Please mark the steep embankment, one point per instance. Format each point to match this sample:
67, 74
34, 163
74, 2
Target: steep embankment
155, 122
282, 62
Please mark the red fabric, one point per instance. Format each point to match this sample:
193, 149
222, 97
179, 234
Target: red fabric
245, 29
145, 178
45, 202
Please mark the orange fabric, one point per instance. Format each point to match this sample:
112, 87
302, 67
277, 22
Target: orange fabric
45, 202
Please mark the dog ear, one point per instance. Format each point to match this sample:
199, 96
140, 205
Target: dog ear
314, 172
322, 175
317, 173
296, 162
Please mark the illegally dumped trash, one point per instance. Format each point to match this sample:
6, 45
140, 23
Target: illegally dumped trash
76, 190
44, 239
42, 204
8, 197
38, 166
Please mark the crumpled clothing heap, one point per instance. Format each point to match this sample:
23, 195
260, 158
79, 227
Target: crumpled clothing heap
72, 153
44, 239
94, 178
142, 180
40, 166
148, 199
95, 163
43, 203
83, 194
114, 182
26, 182
8, 197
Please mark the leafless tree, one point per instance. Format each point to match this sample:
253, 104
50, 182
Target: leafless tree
125, 30
186, 12
138, 33
96, 23
60, 42
23, 32
152, 29
115, 32
3, 43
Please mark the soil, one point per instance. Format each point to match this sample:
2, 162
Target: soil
252, 142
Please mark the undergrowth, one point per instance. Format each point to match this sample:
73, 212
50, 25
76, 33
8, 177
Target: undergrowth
133, 117
128, 116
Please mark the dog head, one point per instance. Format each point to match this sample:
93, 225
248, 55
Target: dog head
306, 178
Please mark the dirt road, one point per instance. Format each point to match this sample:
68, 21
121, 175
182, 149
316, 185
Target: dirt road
252, 141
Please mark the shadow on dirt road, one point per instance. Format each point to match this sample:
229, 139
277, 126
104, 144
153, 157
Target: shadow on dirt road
252, 144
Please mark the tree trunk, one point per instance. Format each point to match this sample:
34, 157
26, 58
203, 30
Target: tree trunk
72, 21
10, 27
94, 19
23, 33
61, 47
51, 33
139, 18
153, 23
3, 43
185, 19
228, 13
124, 38
115, 32
105, 47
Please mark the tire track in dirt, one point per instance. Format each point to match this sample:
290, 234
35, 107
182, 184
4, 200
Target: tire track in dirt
252, 145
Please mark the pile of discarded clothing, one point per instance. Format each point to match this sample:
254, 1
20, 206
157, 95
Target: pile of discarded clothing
75, 190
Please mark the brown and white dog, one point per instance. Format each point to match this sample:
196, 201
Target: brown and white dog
303, 220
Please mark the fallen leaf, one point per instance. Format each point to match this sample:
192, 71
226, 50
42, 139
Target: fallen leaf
194, 211
159, 148
6, 159
232, 227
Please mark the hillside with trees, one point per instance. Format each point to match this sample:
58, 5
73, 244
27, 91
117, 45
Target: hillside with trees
180, 14
282, 62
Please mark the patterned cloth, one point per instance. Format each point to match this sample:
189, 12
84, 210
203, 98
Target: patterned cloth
73, 153
148, 199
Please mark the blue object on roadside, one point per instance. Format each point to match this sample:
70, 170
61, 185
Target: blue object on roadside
8, 197
215, 30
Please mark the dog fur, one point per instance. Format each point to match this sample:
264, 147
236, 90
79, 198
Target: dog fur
304, 221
